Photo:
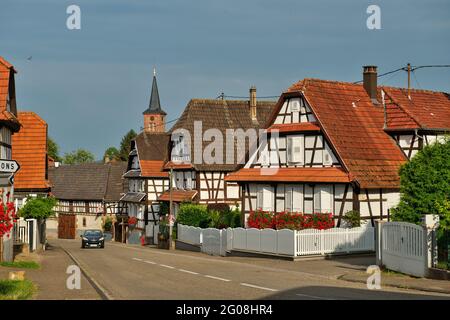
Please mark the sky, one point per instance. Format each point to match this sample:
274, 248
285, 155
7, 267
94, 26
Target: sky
92, 85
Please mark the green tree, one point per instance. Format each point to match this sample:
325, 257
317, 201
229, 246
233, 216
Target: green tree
125, 144
111, 153
78, 156
38, 208
53, 149
425, 185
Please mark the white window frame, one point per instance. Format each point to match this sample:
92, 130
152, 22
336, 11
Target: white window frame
265, 198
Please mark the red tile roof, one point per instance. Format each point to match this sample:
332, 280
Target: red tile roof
6, 70
354, 125
178, 195
295, 127
153, 168
176, 165
424, 109
328, 175
30, 150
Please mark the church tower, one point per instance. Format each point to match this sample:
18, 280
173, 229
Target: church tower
154, 116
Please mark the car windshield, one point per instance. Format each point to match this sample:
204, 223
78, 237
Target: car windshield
91, 233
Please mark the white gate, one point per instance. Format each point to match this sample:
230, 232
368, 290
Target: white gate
403, 248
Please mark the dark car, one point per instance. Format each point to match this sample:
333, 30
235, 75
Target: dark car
92, 238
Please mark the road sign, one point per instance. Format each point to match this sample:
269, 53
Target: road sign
11, 166
6, 180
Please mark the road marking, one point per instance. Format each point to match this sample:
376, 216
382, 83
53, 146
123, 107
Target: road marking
217, 278
313, 297
257, 287
166, 266
137, 259
187, 271
150, 262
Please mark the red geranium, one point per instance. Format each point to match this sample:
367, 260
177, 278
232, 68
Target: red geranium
132, 220
290, 220
7, 218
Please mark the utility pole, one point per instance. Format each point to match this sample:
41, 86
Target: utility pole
408, 68
170, 208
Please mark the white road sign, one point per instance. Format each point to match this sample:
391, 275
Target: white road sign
11, 166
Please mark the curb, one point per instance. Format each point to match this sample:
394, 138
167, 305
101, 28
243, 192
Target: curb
97, 287
342, 277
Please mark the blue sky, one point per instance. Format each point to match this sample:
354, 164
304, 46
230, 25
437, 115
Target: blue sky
92, 85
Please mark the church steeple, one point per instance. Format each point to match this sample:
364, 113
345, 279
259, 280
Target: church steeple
154, 116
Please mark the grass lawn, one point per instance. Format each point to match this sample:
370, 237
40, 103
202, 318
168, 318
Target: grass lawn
16, 289
21, 264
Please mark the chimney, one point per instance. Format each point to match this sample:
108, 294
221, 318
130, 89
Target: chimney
370, 82
253, 103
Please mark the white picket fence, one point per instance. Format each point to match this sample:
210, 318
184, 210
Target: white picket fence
279, 242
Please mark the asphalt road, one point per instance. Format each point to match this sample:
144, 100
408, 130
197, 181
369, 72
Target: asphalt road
132, 272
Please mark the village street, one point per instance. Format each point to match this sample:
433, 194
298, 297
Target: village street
132, 272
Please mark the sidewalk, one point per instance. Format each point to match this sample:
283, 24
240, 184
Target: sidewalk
51, 278
397, 280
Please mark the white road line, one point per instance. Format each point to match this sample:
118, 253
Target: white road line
166, 266
217, 278
150, 262
137, 259
187, 271
313, 297
257, 287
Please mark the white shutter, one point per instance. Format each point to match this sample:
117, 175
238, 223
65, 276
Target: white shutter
326, 199
260, 198
295, 149
188, 180
327, 158
288, 199
268, 198
297, 199
317, 203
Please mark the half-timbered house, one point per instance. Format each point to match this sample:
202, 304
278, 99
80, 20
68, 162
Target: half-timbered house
332, 148
9, 124
87, 193
30, 150
199, 179
416, 118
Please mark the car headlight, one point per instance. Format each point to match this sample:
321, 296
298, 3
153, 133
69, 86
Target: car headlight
85, 239
101, 239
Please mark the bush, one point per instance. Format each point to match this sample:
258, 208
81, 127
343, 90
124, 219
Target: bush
220, 207
425, 185
289, 220
352, 219
38, 208
107, 225
194, 215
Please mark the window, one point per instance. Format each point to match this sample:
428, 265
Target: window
265, 198
295, 149
294, 198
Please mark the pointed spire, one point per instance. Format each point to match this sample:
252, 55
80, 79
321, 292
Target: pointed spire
154, 105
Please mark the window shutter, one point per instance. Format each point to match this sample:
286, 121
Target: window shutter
268, 198
295, 149
317, 203
297, 199
259, 198
288, 199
